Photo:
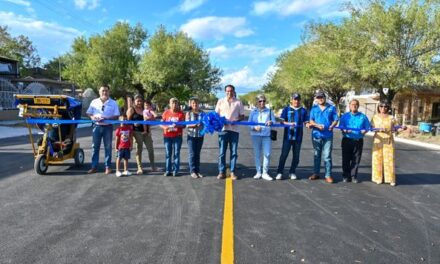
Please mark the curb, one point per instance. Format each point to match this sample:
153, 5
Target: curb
413, 142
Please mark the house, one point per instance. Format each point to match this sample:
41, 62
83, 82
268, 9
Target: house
367, 102
8, 68
11, 83
419, 105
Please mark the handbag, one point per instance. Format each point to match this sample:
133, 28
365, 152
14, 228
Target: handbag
273, 132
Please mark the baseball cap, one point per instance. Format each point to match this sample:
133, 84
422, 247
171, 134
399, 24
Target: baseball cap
296, 96
320, 94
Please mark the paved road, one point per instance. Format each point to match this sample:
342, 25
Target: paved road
68, 216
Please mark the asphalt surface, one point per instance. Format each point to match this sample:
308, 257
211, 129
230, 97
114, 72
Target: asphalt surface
68, 216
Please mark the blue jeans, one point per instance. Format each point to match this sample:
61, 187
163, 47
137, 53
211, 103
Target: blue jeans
262, 144
104, 133
195, 147
296, 148
172, 146
225, 139
322, 146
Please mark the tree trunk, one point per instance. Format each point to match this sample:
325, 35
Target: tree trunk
139, 88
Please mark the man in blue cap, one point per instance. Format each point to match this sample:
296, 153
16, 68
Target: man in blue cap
323, 118
296, 117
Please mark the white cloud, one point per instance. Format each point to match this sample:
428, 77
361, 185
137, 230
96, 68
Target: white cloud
31, 26
189, 5
293, 7
89, 4
216, 27
50, 39
20, 2
243, 50
245, 80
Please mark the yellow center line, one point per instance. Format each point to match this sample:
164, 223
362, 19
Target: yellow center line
227, 256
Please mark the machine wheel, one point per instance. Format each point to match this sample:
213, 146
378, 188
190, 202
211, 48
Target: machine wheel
79, 157
40, 165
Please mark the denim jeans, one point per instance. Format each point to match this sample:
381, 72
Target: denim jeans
296, 148
194, 147
100, 133
172, 146
322, 146
262, 143
225, 139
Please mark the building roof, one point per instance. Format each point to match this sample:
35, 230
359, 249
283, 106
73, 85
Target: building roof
44, 80
3, 58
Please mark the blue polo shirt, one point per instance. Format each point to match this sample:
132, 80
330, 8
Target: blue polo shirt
299, 116
354, 121
323, 117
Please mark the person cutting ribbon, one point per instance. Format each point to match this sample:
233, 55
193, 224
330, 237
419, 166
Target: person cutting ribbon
354, 125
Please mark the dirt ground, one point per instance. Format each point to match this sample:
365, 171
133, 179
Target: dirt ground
413, 133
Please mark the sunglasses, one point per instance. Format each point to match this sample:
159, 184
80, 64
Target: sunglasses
386, 106
319, 97
262, 101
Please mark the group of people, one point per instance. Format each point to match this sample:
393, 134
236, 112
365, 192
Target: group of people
321, 119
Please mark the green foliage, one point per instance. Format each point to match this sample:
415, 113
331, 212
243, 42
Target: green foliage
400, 43
380, 45
121, 102
311, 67
173, 65
54, 67
249, 98
110, 58
207, 98
19, 48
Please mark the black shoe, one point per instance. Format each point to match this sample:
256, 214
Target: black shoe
346, 180
166, 174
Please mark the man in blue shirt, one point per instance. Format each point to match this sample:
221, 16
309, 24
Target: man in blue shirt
354, 126
323, 118
295, 116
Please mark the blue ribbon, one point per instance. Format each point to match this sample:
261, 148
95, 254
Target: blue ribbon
211, 121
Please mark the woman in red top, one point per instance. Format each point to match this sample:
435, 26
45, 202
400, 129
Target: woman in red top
172, 137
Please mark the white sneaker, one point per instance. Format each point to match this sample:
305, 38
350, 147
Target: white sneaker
267, 177
126, 173
118, 174
257, 176
279, 176
293, 176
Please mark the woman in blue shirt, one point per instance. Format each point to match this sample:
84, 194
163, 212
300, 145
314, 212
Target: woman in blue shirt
260, 134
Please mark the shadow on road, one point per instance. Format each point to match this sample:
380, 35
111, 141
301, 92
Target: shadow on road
418, 179
80, 133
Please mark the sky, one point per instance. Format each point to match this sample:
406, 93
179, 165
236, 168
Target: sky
243, 38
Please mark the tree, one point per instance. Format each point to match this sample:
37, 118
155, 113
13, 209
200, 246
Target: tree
249, 98
19, 48
397, 45
110, 58
312, 67
207, 98
173, 65
55, 67
381, 45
